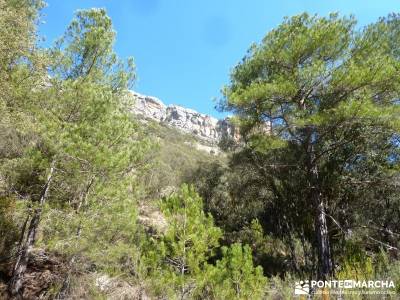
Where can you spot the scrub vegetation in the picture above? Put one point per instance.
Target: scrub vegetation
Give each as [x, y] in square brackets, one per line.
[97, 204]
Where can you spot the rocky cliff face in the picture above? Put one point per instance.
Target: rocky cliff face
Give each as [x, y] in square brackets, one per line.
[187, 120]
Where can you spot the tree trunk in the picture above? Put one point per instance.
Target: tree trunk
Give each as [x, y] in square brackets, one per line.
[27, 241]
[324, 250]
[325, 267]
[321, 228]
[84, 194]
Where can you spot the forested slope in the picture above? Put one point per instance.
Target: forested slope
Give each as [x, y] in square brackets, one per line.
[97, 203]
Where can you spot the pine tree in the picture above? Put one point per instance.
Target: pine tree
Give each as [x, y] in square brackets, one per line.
[82, 118]
[234, 275]
[183, 260]
[314, 100]
[190, 240]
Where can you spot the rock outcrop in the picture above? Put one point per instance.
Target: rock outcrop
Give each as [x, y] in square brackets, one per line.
[187, 120]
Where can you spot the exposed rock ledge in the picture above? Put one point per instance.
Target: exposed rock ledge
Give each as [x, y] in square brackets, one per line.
[187, 120]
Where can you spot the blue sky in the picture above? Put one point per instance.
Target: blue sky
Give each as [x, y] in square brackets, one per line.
[185, 49]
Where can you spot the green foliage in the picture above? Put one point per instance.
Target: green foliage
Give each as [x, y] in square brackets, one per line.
[8, 227]
[190, 240]
[279, 288]
[314, 71]
[172, 148]
[357, 265]
[361, 265]
[234, 276]
[21, 65]
[96, 145]
[181, 258]
[82, 125]
[77, 122]
[18, 55]
[86, 116]
[317, 104]
[101, 238]
[229, 194]
[85, 50]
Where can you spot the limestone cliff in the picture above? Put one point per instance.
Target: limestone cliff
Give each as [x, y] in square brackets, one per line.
[185, 119]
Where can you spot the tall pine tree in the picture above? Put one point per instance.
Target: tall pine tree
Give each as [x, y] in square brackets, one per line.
[87, 136]
[320, 98]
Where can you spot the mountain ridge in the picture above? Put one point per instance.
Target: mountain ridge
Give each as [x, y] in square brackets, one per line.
[203, 126]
